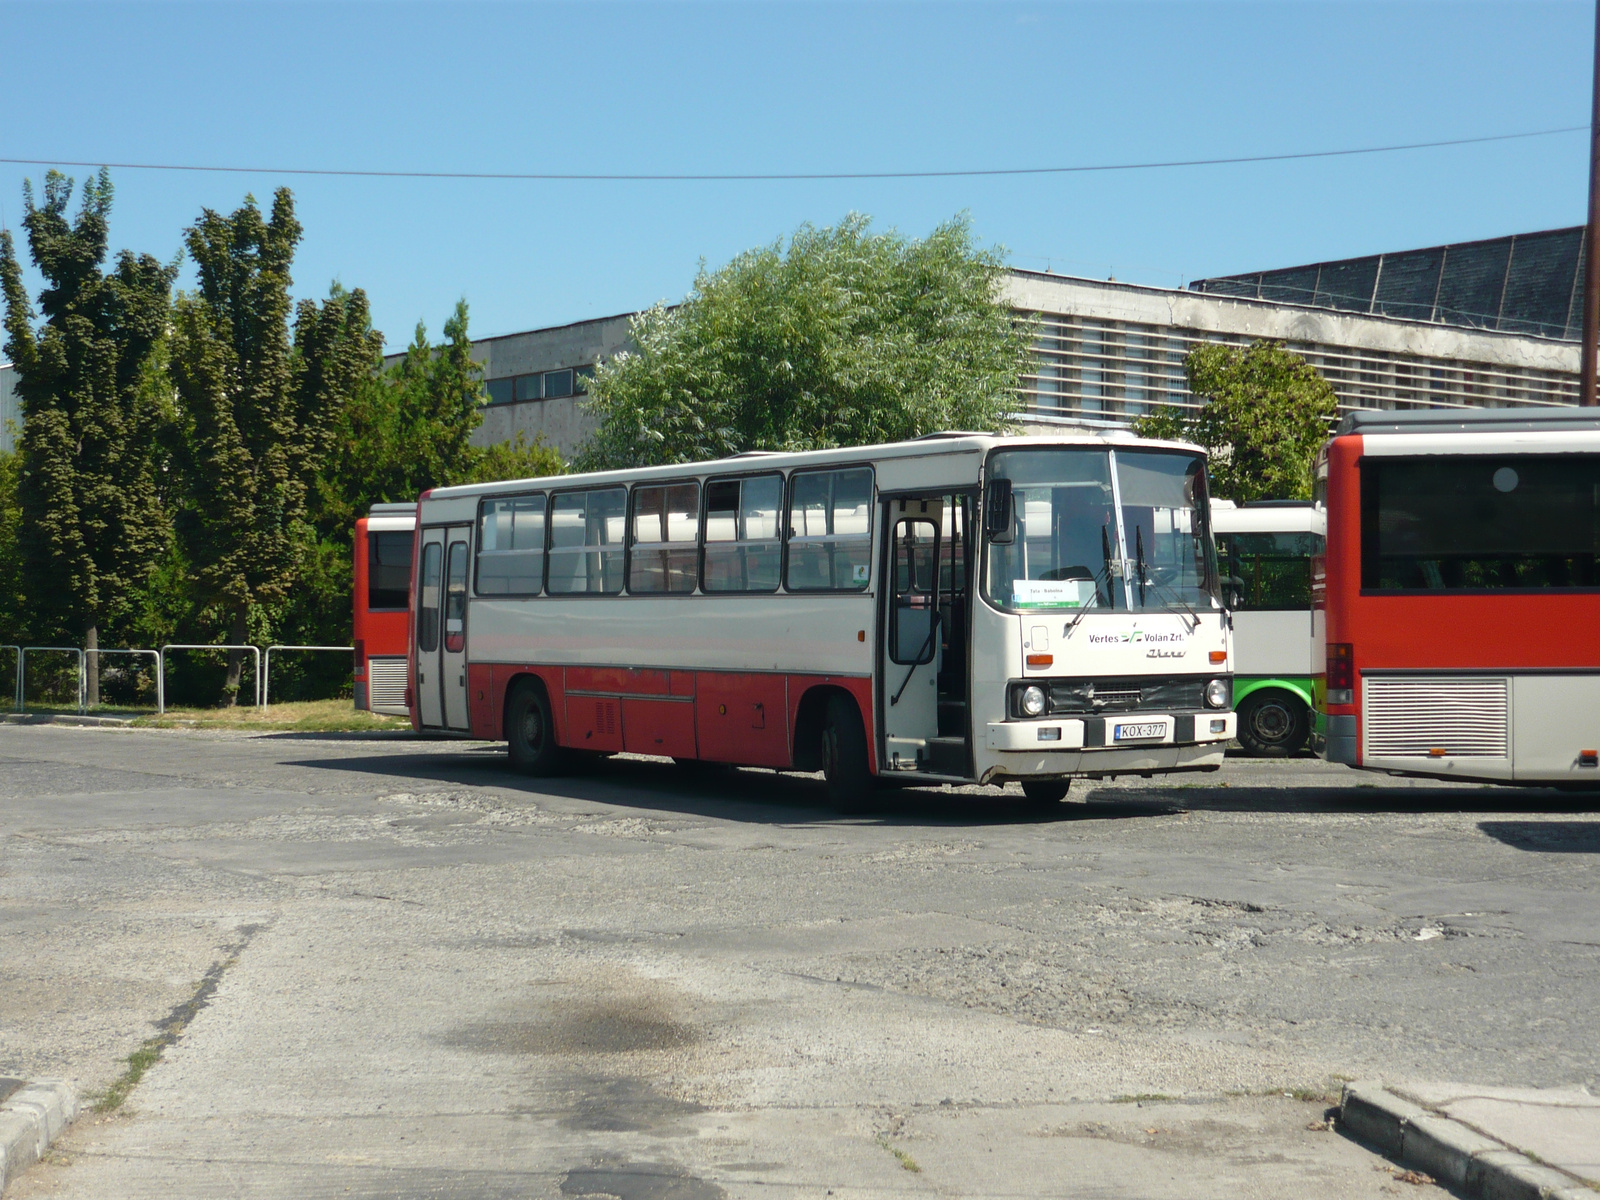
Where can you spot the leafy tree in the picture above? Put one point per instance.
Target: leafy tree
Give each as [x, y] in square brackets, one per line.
[517, 459]
[408, 428]
[10, 550]
[1264, 413]
[91, 518]
[844, 337]
[247, 448]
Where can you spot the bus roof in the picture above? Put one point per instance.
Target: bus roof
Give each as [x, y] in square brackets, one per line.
[1477, 420]
[934, 445]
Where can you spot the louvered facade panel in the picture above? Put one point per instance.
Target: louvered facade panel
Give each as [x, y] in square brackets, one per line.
[387, 681]
[1415, 716]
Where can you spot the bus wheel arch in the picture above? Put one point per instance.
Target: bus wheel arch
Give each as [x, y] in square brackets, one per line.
[831, 736]
[530, 727]
[1274, 722]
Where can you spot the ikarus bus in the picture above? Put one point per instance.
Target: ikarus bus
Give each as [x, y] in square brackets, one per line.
[958, 609]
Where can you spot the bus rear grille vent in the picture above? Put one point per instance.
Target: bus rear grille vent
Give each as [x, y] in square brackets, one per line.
[387, 683]
[1420, 717]
[605, 716]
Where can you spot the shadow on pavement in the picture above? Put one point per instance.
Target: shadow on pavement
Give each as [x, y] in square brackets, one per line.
[752, 795]
[1547, 837]
[767, 797]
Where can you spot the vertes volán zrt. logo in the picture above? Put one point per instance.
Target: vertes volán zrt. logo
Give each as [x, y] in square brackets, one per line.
[1157, 643]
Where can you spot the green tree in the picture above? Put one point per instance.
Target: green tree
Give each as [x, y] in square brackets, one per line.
[11, 600]
[1264, 412]
[91, 519]
[844, 337]
[247, 449]
[409, 428]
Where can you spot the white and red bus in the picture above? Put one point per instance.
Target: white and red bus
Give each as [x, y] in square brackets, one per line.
[381, 606]
[955, 609]
[1458, 612]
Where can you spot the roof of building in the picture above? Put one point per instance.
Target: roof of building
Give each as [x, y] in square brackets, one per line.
[1528, 283]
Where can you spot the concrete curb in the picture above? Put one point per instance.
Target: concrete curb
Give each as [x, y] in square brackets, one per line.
[1458, 1157]
[30, 1119]
[62, 719]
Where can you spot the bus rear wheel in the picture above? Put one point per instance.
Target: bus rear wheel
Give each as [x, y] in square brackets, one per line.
[531, 732]
[844, 756]
[1273, 724]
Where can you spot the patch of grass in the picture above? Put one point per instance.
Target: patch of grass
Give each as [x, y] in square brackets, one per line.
[140, 1061]
[907, 1163]
[150, 1050]
[304, 716]
[1143, 1098]
[1313, 1095]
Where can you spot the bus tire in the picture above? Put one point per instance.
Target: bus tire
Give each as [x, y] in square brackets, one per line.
[531, 731]
[1273, 724]
[844, 755]
[1046, 791]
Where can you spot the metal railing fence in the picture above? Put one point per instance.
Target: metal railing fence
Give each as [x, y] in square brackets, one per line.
[266, 670]
[161, 690]
[18, 650]
[189, 646]
[22, 671]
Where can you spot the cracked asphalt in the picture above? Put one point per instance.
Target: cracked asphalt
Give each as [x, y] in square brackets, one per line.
[432, 977]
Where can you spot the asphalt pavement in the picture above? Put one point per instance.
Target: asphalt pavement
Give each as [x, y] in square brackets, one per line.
[381, 968]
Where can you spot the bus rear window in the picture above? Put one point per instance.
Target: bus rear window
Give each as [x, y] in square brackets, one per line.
[389, 570]
[1458, 523]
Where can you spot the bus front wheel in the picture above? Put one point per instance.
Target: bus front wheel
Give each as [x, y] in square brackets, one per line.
[844, 756]
[1273, 724]
[1046, 791]
[531, 733]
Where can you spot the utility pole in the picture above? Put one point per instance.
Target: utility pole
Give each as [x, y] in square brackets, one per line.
[1591, 241]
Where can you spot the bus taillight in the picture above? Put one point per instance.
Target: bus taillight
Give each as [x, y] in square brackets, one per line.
[1341, 673]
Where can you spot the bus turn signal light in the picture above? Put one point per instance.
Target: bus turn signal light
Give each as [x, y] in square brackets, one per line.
[1041, 660]
[1589, 758]
[1219, 656]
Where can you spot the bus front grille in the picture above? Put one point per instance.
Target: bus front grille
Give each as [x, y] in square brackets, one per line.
[387, 684]
[1437, 716]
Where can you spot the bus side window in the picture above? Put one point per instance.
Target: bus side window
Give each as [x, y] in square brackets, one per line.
[830, 531]
[511, 546]
[666, 525]
[455, 599]
[586, 542]
[742, 549]
[1267, 571]
[428, 607]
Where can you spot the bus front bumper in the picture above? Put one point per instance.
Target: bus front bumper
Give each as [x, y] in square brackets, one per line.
[1133, 731]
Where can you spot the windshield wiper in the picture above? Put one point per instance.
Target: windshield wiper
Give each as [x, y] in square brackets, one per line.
[1138, 541]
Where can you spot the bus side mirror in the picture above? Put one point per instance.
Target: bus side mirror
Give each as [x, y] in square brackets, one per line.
[999, 511]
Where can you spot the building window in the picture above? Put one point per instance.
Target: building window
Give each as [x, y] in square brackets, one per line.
[557, 384]
[500, 390]
[528, 387]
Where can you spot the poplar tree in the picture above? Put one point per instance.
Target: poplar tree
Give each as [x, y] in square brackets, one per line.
[91, 522]
[247, 439]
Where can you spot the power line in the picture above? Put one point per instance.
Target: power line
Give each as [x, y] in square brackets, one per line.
[571, 177]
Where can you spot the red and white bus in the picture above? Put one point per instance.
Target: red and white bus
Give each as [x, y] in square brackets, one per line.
[1458, 610]
[954, 609]
[381, 606]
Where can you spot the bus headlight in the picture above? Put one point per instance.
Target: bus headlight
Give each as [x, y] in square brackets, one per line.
[1218, 693]
[1032, 702]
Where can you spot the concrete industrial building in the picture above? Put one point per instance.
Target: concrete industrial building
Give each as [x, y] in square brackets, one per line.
[1481, 324]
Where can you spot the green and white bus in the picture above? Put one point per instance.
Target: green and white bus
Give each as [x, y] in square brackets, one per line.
[1264, 552]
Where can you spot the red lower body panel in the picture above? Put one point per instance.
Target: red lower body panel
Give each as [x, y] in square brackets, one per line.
[747, 719]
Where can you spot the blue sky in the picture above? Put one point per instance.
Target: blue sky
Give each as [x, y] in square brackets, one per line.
[783, 87]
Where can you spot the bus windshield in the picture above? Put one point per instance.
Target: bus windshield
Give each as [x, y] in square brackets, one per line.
[1072, 546]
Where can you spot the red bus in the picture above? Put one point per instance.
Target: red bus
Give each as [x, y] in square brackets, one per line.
[1458, 608]
[961, 608]
[381, 606]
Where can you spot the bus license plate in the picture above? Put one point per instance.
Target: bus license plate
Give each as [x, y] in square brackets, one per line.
[1129, 733]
